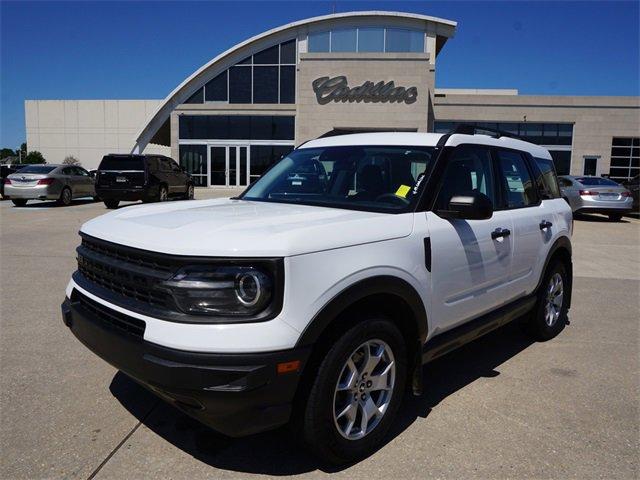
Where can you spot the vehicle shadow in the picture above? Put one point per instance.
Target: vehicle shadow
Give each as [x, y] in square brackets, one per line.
[277, 452]
[54, 204]
[596, 218]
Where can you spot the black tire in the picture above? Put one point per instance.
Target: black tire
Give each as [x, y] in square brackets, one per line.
[111, 204]
[65, 197]
[163, 194]
[190, 193]
[319, 429]
[96, 198]
[19, 202]
[541, 324]
[615, 217]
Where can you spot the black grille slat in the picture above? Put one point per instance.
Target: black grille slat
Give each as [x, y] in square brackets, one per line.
[125, 273]
[110, 318]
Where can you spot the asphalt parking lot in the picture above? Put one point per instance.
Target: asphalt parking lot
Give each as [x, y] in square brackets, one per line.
[500, 407]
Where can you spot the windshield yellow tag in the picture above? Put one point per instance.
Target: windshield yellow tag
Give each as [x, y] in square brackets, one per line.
[403, 190]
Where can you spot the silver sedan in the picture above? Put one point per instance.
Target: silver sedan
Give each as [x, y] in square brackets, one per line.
[49, 182]
[596, 195]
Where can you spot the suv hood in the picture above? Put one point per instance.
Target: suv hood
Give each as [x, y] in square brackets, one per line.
[239, 228]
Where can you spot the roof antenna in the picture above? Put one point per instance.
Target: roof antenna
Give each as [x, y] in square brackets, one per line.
[334, 7]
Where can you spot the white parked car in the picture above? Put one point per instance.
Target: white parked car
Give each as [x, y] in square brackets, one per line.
[317, 295]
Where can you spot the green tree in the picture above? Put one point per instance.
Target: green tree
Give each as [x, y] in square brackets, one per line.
[34, 157]
[71, 160]
[7, 152]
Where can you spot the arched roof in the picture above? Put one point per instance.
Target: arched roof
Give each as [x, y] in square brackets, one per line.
[257, 42]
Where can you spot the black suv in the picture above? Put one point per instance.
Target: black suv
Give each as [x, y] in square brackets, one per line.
[150, 178]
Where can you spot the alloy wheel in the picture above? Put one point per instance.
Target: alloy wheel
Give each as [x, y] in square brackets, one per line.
[555, 294]
[364, 389]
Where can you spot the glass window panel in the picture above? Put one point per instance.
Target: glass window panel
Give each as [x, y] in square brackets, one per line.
[283, 128]
[344, 40]
[194, 160]
[265, 84]
[287, 84]
[197, 97]
[550, 130]
[240, 127]
[216, 89]
[267, 56]
[562, 161]
[635, 162]
[318, 42]
[619, 162]
[470, 168]
[621, 151]
[240, 85]
[371, 39]
[261, 127]
[288, 52]
[520, 191]
[622, 142]
[399, 40]
[618, 172]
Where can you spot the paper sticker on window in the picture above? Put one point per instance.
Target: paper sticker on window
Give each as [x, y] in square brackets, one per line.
[403, 190]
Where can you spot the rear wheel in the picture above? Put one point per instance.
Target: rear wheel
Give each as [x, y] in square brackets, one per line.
[550, 314]
[112, 203]
[615, 217]
[19, 202]
[356, 392]
[65, 197]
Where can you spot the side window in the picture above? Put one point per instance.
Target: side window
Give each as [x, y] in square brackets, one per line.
[174, 166]
[468, 169]
[165, 165]
[68, 171]
[547, 181]
[517, 183]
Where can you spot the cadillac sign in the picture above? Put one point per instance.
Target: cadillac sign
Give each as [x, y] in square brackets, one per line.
[337, 89]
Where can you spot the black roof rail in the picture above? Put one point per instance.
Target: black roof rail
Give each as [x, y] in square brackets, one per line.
[471, 129]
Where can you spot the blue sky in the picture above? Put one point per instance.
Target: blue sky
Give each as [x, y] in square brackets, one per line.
[129, 50]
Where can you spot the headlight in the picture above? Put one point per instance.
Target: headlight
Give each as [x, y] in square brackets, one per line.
[221, 290]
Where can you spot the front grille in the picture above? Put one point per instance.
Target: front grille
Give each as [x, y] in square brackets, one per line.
[109, 318]
[125, 272]
[125, 255]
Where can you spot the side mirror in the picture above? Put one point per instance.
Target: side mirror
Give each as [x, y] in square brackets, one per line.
[468, 206]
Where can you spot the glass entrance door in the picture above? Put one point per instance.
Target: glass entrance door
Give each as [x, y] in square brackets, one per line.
[229, 165]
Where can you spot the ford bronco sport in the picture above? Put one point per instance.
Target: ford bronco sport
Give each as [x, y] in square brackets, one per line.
[317, 295]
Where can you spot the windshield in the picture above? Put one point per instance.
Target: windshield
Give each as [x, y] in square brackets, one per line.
[36, 169]
[361, 178]
[121, 163]
[593, 181]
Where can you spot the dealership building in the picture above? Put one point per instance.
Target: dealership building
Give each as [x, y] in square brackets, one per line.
[341, 73]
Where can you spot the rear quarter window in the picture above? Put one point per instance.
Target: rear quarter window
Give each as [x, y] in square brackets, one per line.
[547, 180]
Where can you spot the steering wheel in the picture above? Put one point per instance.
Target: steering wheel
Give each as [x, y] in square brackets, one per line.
[392, 198]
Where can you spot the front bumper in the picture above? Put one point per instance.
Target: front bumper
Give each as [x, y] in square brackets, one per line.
[37, 192]
[235, 394]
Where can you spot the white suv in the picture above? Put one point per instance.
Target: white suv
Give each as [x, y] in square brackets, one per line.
[317, 295]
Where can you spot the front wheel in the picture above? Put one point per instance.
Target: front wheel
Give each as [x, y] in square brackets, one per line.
[19, 202]
[111, 204]
[356, 392]
[615, 217]
[189, 194]
[549, 316]
[163, 194]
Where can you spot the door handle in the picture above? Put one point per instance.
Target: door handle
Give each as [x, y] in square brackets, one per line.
[500, 233]
[545, 224]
